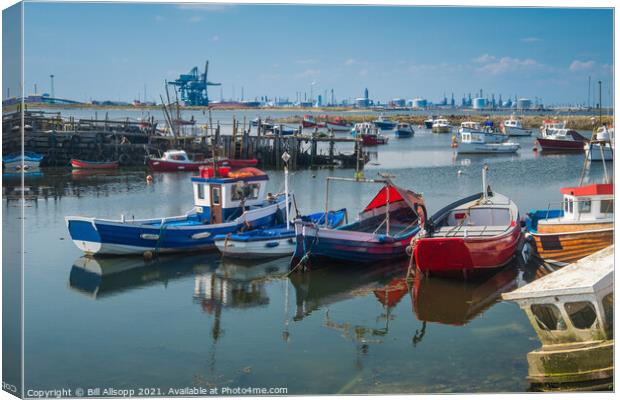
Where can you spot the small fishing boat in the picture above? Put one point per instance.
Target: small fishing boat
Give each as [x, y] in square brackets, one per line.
[562, 140]
[382, 231]
[369, 133]
[18, 162]
[237, 162]
[283, 130]
[472, 236]
[470, 126]
[81, 164]
[441, 125]
[479, 142]
[338, 124]
[384, 124]
[552, 126]
[309, 121]
[274, 242]
[583, 225]
[428, 123]
[175, 160]
[224, 202]
[601, 147]
[404, 130]
[514, 127]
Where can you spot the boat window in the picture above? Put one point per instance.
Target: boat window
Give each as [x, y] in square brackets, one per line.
[201, 191]
[565, 205]
[215, 196]
[242, 191]
[548, 317]
[585, 206]
[581, 313]
[608, 310]
[570, 206]
[607, 206]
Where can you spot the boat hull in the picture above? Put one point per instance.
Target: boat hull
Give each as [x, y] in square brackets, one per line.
[441, 129]
[260, 249]
[515, 131]
[338, 127]
[560, 145]
[177, 234]
[465, 257]
[403, 133]
[487, 148]
[171, 166]
[562, 248]
[594, 153]
[80, 164]
[385, 125]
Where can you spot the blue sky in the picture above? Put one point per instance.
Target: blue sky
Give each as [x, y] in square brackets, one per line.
[110, 51]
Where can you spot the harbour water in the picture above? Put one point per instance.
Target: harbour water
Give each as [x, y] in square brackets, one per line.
[197, 320]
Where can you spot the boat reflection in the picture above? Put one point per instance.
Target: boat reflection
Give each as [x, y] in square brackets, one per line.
[100, 277]
[454, 302]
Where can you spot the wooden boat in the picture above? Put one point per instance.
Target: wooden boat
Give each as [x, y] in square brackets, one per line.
[274, 242]
[222, 204]
[556, 137]
[441, 125]
[309, 122]
[514, 127]
[472, 236]
[404, 130]
[382, 231]
[384, 124]
[572, 312]
[338, 124]
[584, 224]
[81, 164]
[369, 133]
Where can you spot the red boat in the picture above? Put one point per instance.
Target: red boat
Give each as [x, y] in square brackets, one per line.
[372, 139]
[562, 140]
[81, 164]
[175, 160]
[309, 122]
[470, 237]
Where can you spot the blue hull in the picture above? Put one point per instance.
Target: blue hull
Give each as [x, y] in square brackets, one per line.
[403, 134]
[384, 125]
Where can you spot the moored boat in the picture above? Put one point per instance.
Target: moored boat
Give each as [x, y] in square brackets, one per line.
[584, 224]
[404, 130]
[175, 160]
[441, 125]
[224, 202]
[514, 127]
[562, 140]
[382, 231]
[428, 123]
[480, 142]
[369, 133]
[338, 124]
[472, 236]
[384, 124]
[81, 164]
[18, 162]
[601, 147]
[309, 121]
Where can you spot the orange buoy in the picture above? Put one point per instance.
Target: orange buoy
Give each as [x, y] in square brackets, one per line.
[149, 179]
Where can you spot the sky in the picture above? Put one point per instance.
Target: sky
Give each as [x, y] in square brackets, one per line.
[113, 51]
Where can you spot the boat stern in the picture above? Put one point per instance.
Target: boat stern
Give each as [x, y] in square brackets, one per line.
[84, 234]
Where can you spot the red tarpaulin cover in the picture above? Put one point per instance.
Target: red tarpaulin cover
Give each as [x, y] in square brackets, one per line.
[395, 194]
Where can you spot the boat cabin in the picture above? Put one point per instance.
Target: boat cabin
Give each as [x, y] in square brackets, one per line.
[470, 126]
[513, 123]
[441, 122]
[587, 203]
[176, 155]
[226, 196]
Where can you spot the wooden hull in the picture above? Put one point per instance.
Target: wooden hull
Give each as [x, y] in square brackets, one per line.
[79, 164]
[574, 243]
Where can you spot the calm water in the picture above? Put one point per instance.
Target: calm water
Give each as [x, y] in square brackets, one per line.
[200, 321]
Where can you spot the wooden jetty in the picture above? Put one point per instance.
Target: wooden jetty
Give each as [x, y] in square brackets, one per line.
[133, 142]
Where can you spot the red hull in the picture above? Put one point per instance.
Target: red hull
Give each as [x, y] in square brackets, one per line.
[170, 166]
[464, 257]
[79, 164]
[560, 145]
[308, 124]
[251, 162]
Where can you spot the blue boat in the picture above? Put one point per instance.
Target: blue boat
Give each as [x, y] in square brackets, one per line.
[384, 124]
[404, 130]
[278, 241]
[18, 162]
[382, 232]
[223, 204]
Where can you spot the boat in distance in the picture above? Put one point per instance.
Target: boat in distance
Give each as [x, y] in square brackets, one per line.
[177, 160]
[514, 127]
[472, 236]
[441, 125]
[480, 142]
[273, 242]
[382, 231]
[584, 225]
[224, 202]
[18, 162]
[82, 164]
[384, 124]
[404, 130]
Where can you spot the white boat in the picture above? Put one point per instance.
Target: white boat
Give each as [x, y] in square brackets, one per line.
[470, 126]
[404, 130]
[478, 142]
[441, 125]
[26, 162]
[338, 127]
[602, 146]
[514, 127]
[552, 127]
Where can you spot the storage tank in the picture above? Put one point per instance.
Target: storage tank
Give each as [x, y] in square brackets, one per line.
[419, 103]
[479, 102]
[524, 104]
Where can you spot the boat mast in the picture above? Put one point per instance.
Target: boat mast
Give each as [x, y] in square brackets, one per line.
[485, 168]
[287, 157]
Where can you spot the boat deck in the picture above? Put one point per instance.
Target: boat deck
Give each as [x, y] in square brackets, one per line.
[470, 231]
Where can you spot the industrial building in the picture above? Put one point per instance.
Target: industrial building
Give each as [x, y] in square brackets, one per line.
[192, 87]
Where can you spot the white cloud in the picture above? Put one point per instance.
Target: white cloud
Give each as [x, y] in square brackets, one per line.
[308, 73]
[577, 65]
[530, 39]
[483, 59]
[215, 38]
[509, 64]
